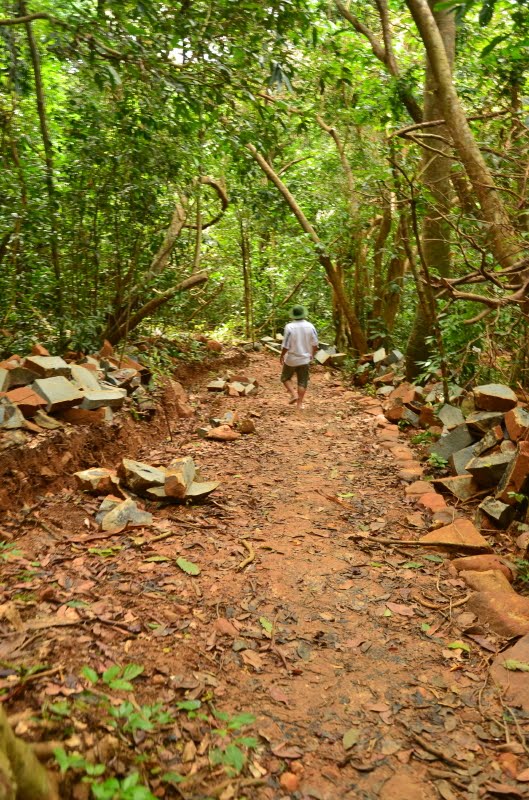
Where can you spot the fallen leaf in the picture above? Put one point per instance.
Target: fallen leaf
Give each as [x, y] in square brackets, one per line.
[279, 696]
[252, 659]
[350, 738]
[399, 608]
[516, 666]
[188, 567]
[503, 790]
[459, 645]
[225, 627]
[284, 750]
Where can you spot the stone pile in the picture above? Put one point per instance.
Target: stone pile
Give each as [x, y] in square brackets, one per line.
[234, 385]
[39, 391]
[383, 368]
[175, 483]
[327, 355]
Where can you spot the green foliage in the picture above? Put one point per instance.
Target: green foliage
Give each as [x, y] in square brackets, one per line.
[115, 677]
[522, 570]
[437, 462]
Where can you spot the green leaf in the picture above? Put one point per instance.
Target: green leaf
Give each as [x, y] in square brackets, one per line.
[90, 674]
[132, 671]
[459, 645]
[172, 777]
[350, 738]
[188, 567]
[111, 673]
[156, 559]
[435, 559]
[188, 705]
[412, 565]
[267, 625]
[516, 666]
[121, 686]
[387, 613]
[425, 627]
[239, 721]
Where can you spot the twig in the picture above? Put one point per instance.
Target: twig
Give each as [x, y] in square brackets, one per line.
[423, 602]
[425, 744]
[251, 556]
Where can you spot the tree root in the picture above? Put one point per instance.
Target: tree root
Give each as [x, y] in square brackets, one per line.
[22, 777]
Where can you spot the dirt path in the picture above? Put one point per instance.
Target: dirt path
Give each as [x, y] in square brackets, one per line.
[315, 636]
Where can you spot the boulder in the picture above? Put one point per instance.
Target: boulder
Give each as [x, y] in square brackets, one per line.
[458, 438]
[139, 477]
[450, 416]
[27, 400]
[514, 684]
[506, 617]
[490, 580]
[461, 486]
[113, 398]
[480, 422]
[47, 366]
[516, 477]
[10, 416]
[97, 480]
[491, 439]
[517, 423]
[500, 513]
[494, 397]
[84, 379]
[488, 470]
[459, 460]
[179, 476]
[482, 563]
[57, 392]
[125, 513]
[460, 535]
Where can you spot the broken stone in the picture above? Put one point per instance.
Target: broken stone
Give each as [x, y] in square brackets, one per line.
[214, 346]
[39, 350]
[57, 392]
[10, 415]
[482, 563]
[516, 477]
[158, 493]
[183, 408]
[4, 379]
[432, 502]
[223, 434]
[514, 684]
[12, 439]
[407, 393]
[450, 416]
[97, 480]
[216, 386]
[462, 534]
[490, 440]
[393, 357]
[47, 366]
[501, 513]
[385, 380]
[124, 513]
[384, 391]
[488, 470]
[246, 426]
[379, 356]
[27, 400]
[418, 488]
[21, 376]
[113, 398]
[202, 432]
[107, 350]
[122, 378]
[442, 518]
[427, 417]
[250, 389]
[517, 423]
[322, 356]
[459, 460]
[179, 476]
[400, 412]
[458, 438]
[235, 388]
[480, 422]
[507, 446]
[46, 422]
[139, 477]
[507, 619]
[84, 378]
[461, 486]
[201, 490]
[490, 580]
[410, 474]
[494, 397]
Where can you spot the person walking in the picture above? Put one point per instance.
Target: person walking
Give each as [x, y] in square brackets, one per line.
[300, 345]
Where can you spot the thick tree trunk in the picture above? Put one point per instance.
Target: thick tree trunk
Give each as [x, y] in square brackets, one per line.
[394, 280]
[22, 777]
[358, 338]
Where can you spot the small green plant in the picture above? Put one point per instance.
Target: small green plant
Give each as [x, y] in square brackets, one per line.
[110, 789]
[424, 437]
[144, 718]
[9, 550]
[402, 424]
[517, 497]
[437, 462]
[115, 677]
[232, 753]
[522, 569]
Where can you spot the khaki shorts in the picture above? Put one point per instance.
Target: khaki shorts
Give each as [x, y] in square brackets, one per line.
[302, 374]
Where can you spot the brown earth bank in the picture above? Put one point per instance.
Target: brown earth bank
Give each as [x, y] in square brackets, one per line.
[347, 655]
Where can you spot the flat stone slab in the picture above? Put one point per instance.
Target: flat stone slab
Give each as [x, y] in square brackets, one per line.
[123, 514]
[513, 683]
[492, 438]
[461, 535]
[459, 460]
[21, 376]
[500, 513]
[113, 398]
[223, 433]
[139, 477]
[379, 356]
[4, 379]
[216, 386]
[481, 421]
[482, 563]
[201, 490]
[27, 400]
[47, 366]
[461, 486]
[418, 488]
[57, 392]
[84, 378]
[489, 580]
[10, 415]
[431, 502]
[46, 422]
[506, 614]
[488, 470]
[450, 416]
[458, 438]
[494, 397]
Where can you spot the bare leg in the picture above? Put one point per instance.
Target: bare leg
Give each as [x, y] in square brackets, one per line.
[289, 386]
[301, 395]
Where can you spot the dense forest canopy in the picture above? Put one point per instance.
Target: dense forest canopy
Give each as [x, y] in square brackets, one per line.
[171, 165]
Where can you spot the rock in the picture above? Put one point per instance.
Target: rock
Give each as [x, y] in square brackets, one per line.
[427, 417]
[393, 357]
[199, 491]
[407, 393]
[27, 400]
[461, 486]
[84, 378]
[158, 493]
[461, 535]
[402, 453]
[431, 502]
[517, 423]
[488, 470]
[113, 398]
[139, 477]
[410, 474]
[507, 446]
[516, 477]
[202, 432]
[501, 513]
[459, 460]
[57, 392]
[379, 356]
[12, 439]
[514, 684]
[10, 416]
[482, 563]
[489, 580]
[235, 388]
[125, 513]
[39, 350]
[418, 488]
[179, 476]
[183, 409]
[494, 397]
[47, 366]
[507, 619]
[289, 782]
[322, 357]
[123, 378]
[46, 422]
[458, 438]
[246, 426]
[399, 412]
[491, 439]
[249, 389]
[97, 480]
[4, 379]
[442, 518]
[213, 346]
[223, 434]
[480, 422]
[216, 386]
[21, 376]
[450, 416]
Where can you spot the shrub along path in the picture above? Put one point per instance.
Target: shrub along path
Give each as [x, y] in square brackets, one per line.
[298, 663]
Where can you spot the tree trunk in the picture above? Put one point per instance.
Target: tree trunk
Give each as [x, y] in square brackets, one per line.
[394, 280]
[245, 259]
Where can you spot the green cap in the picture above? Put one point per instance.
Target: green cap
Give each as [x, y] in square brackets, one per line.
[298, 312]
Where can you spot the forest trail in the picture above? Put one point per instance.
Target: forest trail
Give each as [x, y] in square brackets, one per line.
[316, 636]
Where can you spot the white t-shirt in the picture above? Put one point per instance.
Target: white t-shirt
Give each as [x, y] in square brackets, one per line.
[299, 339]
